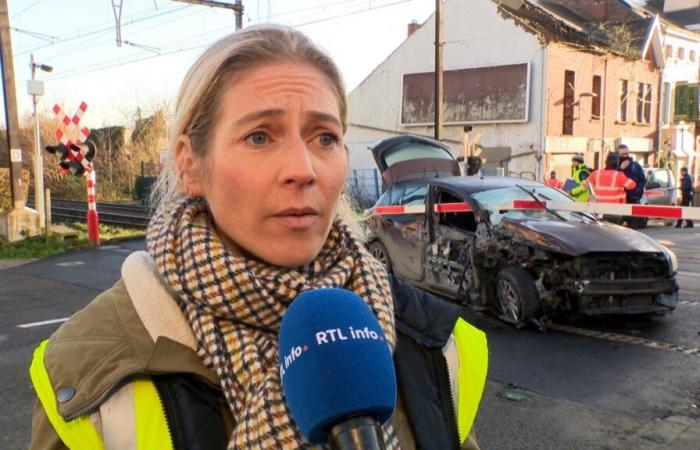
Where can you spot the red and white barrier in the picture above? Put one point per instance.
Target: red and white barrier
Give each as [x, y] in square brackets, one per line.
[93, 222]
[613, 209]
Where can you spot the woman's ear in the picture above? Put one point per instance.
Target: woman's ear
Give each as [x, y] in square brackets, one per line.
[188, 167]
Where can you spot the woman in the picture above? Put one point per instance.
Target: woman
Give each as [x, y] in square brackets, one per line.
[182, 351]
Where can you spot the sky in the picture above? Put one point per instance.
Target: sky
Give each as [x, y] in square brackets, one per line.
[162, 38]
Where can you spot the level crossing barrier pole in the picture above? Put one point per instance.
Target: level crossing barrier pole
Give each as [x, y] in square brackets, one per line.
[93, 222]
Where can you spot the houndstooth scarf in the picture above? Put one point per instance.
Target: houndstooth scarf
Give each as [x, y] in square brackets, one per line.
[234, 306]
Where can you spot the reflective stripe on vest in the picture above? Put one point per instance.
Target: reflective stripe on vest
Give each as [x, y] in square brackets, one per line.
[473, 354]
[78, 434]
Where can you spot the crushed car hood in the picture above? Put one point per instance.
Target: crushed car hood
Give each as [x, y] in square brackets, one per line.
[576, 238]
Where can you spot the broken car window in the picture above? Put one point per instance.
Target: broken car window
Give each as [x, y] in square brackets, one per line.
[493, 199]
[415, 195]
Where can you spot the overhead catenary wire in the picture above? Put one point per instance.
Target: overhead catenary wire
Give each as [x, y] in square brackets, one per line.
[82, 46]
[26, 9]
[90, 31]
[113, 64]
[84, 34]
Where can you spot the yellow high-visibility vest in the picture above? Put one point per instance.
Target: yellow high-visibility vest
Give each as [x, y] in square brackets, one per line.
[79, 434]
[473, 357]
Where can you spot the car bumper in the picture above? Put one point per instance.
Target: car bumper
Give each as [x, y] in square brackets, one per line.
[633, 296]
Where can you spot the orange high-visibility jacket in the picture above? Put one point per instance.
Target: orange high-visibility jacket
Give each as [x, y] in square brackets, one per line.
[610, 185]
[553, 182]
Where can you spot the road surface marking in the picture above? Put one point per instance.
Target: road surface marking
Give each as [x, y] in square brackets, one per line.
[626, 339]
[70, 263]
[43, 322]
[687, 274]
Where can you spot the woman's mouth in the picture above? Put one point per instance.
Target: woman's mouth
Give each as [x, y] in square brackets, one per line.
[297, 218]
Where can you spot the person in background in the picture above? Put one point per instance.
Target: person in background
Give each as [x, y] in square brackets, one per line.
[686, 189]
[182, 352]
[579, 174]
[610, 185]
[635, 172]
[552, 181]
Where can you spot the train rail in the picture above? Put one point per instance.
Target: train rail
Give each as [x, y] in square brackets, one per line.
[125, 215]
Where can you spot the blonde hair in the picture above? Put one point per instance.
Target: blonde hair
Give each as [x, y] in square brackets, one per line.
[198, 102]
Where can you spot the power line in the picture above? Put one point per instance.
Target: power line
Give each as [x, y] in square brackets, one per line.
[112, 64]
[81, 46]
[25, 9]
[83, 34]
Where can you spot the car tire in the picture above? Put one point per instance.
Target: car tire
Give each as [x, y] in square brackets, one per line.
[516, 295]
[378, 250]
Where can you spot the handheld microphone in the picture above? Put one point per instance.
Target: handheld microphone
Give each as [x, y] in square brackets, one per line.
[337, 371]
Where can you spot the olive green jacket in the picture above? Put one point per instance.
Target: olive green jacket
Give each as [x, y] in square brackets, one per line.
[133, 329]
[92, 357]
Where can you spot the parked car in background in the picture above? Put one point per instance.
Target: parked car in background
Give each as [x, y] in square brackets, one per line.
[661, 188]
[452, 235]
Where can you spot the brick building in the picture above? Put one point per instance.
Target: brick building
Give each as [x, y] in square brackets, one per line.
[537, 82]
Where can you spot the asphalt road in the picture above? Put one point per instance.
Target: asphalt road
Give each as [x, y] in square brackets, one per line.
[615, 384]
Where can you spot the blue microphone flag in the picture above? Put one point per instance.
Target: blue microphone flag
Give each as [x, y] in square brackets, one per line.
[334, 361]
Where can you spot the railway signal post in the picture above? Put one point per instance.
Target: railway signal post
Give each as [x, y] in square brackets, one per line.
[76, 159]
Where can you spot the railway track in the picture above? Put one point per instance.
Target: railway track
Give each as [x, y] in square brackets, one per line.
[134, 216]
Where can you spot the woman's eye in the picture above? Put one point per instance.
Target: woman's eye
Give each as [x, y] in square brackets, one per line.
[257, 138]
[327, 139]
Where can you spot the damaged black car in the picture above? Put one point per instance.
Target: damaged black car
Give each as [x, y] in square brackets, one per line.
[455, 235]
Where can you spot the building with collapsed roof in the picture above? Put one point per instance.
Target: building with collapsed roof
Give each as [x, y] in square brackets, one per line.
[538, 81]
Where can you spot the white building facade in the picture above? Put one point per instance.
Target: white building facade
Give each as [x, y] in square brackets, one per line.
[476, 36]
[680, 78]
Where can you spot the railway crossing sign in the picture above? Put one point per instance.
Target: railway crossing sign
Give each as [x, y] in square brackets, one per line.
[71, 123]
[76, 158]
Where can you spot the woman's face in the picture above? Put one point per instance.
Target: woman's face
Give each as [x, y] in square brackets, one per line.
[276, 163]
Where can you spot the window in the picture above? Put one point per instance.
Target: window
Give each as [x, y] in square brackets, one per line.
[686, 103]
[647, 104]
[640, 102]
[414, 195]
[666, 103]
[595, 100]
[392, 197]
[643, 103]
[395, 196]
[622, 105]
[681, 53]
[414, 150]
[464, 221]
[692, 55]
[662, 177]
[569, 80]
[668, 51]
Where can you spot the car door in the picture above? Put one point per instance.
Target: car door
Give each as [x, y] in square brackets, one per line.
[450, 238]
[660, 188]
[402, 228]
[412, 229]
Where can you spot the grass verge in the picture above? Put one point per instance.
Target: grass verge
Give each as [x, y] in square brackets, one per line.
[41, 247]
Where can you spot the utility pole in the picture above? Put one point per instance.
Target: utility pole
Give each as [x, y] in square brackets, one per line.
[35, 88]
[438, 69]
[19, 221]
[236, 7]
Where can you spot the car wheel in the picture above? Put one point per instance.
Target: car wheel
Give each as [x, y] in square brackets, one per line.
[517, 296]
[378, 250]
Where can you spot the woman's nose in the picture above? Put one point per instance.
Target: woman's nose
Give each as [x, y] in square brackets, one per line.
[297, 167]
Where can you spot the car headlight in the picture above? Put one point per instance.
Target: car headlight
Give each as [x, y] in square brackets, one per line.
[672, 259]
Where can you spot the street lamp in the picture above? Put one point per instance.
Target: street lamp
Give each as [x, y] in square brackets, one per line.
[35, 88]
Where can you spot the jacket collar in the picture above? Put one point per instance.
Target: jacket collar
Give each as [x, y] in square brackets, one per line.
[109, 342]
